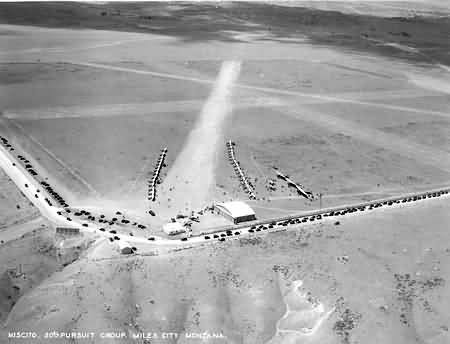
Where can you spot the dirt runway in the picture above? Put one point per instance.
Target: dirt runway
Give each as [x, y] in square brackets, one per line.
[189, 182]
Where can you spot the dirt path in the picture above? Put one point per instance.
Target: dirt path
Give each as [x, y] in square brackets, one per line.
[140, 71]
[190, 180]
[268, 90]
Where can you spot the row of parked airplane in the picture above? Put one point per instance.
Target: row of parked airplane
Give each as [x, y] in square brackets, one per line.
[156, 172]
[248, 187]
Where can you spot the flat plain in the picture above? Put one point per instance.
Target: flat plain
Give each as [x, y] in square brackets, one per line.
[351, 105]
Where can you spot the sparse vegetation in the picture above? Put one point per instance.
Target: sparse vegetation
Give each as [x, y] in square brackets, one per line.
[351, 119]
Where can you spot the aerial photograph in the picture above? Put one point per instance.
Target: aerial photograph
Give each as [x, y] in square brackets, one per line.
[255, 172]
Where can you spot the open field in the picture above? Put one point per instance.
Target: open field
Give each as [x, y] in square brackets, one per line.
[387, 283]
[353, 106]
[14, 207]
[394, 8]
[237, 22]
[301, 131]
[29, 251]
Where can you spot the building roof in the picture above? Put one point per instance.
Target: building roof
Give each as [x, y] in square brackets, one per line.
[172, 227]
[124, 247]
[236, 209]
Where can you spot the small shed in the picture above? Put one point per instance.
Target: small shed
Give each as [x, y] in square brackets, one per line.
[67, 230]
[173, 228]
[124, 247]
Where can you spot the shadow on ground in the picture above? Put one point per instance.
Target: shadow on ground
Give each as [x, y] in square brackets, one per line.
[419, 39]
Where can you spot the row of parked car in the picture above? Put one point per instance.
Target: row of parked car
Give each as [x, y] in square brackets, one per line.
[29, 167]
[67, 211]
[222, 236]
[102, 218]
[312, 218]
[248, 187]
[56, 196]
[155, 178]
[6, 143]
[113, 221]
[361, 208]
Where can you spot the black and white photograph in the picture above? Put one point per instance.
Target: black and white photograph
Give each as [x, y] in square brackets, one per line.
[225, 172]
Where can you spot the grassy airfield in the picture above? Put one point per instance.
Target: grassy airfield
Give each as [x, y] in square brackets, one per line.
[353, 106]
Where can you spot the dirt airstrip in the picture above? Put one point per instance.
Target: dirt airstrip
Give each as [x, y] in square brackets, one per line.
[353, 106]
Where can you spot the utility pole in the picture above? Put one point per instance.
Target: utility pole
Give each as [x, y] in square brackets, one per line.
[320, 199]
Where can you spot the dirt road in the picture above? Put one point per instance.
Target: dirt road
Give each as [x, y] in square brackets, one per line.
[189, 181]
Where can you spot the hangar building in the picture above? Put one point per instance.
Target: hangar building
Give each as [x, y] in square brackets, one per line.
[236, 211]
